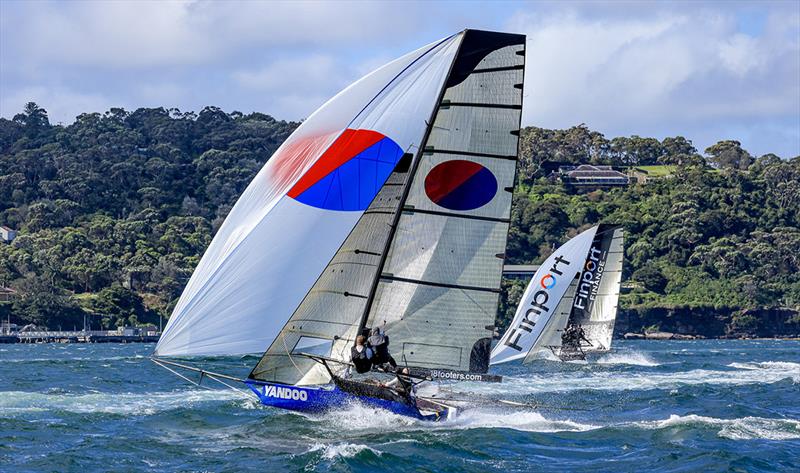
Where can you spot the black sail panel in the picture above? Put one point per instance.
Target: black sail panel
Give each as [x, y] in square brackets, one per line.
[594, 305]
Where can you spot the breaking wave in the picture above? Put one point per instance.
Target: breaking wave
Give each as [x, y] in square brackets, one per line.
[746, 428]
[627, 358]
[342, 450]
[780, 365]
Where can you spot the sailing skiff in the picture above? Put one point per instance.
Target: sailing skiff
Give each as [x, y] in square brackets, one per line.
[577, 286]
[388, 206]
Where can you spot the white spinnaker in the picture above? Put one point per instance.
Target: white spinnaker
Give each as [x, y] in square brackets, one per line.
[541, 299]
[271, 248]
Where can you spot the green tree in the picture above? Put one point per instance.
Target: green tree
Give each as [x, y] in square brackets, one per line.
[729, 154]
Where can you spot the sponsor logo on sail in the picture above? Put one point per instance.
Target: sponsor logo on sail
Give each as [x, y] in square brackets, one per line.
[460, 185]
[538, 304]
[590, 279]
[285, 393]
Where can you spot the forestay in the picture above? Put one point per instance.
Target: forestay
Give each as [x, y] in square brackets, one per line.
[542, 299]
[286, 227]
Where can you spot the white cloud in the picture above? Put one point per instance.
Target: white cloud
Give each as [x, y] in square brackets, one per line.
[140, 34]
[645, 73]
[623, 68]
[62, 104]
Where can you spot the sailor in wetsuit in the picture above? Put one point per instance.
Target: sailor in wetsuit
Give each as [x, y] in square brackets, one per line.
[361, 355]
[379, 342]
[581, 335]
[568, 337]
[572, 337]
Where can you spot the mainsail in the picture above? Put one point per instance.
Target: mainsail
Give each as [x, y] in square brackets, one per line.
[439, 282]
[542, 300]
[594, 306]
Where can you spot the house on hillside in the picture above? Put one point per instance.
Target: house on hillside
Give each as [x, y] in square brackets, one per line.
[591, 176]
[6, 234]
[7, 294]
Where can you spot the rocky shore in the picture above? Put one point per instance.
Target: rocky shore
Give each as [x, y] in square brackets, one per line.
[688, 323]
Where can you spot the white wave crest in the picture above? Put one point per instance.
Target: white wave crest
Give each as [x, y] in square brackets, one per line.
[342, 450]
[745, 428]
[527, 421]
[13, 403]
[627, 358]
[780, 365]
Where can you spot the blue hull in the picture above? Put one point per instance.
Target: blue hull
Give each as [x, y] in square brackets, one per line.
[317, 399]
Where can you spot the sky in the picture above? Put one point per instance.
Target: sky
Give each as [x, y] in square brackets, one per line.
[706, 70]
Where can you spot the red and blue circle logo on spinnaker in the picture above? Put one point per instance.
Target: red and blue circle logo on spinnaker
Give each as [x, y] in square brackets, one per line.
[460, 185]
[350, 173]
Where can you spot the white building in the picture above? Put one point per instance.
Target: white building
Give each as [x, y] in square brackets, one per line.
[7, 235]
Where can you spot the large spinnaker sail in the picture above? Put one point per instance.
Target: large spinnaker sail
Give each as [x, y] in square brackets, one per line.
[594, 306]
[302, 205]
[542, 300]
[439, 281]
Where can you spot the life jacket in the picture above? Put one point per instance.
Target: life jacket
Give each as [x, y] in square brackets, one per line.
[361, 359]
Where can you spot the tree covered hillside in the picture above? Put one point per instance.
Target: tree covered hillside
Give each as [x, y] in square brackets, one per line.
[115, 210]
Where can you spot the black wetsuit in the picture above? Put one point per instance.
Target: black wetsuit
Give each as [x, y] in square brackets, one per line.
[380, 346]
[361, 360]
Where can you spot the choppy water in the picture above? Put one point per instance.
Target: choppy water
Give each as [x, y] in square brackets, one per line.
[647, 406]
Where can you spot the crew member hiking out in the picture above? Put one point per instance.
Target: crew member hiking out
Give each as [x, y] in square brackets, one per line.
[379, 342]
[581, 335]
[361, 355]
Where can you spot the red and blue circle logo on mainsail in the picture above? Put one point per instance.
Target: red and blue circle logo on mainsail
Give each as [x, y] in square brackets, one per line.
[460, 185]
[350, 173]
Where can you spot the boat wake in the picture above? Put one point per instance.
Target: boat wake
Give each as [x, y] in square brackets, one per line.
[357, 420]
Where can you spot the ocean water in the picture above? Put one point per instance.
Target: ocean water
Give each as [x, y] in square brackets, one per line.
[646, 406]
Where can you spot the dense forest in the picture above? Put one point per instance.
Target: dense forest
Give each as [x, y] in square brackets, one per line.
[115, 210]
